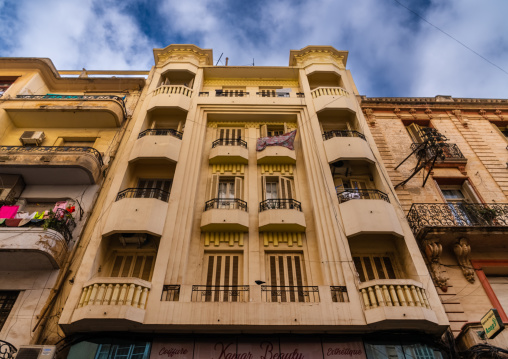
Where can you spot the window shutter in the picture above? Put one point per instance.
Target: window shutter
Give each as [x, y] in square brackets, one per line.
[127, 266]
[264, 130]
[116, 266]
[469, 192]
[287, 185]
[285, 128]
[337, 182]
[138, 264]
[147, 268]
[415, 132]
[389, 268]
[214, 184]
[239, 187]
[359, 268]
[263, 187]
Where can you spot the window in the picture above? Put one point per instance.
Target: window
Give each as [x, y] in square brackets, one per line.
[227, 189]
[5, 83]
[273, 130]
[370, 267]
[277, 187]
[123, 351]
[7, 300]
[76, 141]
[286, 271]
[154, 188]
[222, 270]
[229, 136]
[133, 265]
[456, 196]
[416, 133]
[398, 350]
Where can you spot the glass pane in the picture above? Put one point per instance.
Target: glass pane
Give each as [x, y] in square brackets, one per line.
[500, 287]
[452, 194]
[382, 351]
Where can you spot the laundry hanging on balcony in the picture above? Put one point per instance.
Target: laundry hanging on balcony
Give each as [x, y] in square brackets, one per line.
[286, 140]
[8, 211]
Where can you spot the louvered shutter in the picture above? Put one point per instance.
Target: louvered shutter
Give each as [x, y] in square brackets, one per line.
[213, 187]
[263, 187]
[239, 187]
[115, 272]
[415, 132]
[222, 272]
[286, 277]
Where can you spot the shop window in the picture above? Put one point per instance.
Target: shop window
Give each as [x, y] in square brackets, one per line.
[7, 300]
[133, 265]
[370, 267]
[123, 351]
[399, 350]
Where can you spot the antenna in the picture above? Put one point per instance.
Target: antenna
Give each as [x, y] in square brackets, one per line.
[252, 61]
[219, 59]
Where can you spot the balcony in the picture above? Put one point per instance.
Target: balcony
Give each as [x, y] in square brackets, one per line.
[222, 214]
[400, 301]
[332, 98]
[52, 165]
[157, 144]
[118, 300]
[220, 293]
[368, 212]
[66, 110]
[290, 294]
[171, 96]
[247, 98]
[138, 210]
[281, 215]
[229, 151]
[450, 153]
[347, 145]
[276, 155]
[487, 223]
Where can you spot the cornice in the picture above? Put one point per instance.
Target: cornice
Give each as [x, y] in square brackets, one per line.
[318, 54]
[183, 53]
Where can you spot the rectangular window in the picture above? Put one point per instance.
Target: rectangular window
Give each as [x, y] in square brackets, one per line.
[123, 351]
[154, 188]
[400, 350]
[226, 189]
[7, 300]
[278, 187]
[133, 265]
[5, 83]
[228, 134]
[222, 272]
[370, 267]
[286, 275]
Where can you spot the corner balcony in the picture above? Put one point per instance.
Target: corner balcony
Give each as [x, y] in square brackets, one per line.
[171, 96]
[368, 211]
[110, 302]
[451, 154]
[483, 223]
[229, 151]
[347, 145]
[52, 165]
[157, 144]
[332, 98]
[66, 110]
[400, 303]
[281, 215]
[222, 214]
[138, 210]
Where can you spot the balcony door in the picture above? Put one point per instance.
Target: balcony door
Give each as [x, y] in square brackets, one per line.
[229, 136]
[277, 187]
[370, 267]
[222, 273]
[457, 197]
[286, 277]
[154, 188]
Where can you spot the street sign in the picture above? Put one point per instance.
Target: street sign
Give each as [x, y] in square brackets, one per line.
[492, 323]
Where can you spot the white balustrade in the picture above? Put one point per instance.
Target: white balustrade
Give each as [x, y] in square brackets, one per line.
[110, 293]
[329, 91]
[393, 293]
[173, 89]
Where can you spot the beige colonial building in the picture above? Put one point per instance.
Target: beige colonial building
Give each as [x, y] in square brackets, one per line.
[460, 216]
[58, 136]
[247, 214]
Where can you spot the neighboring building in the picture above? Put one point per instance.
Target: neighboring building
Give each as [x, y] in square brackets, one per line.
[58, 135]
[460, 216]
[212, 243]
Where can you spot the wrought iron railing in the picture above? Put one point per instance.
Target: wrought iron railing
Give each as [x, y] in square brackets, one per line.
[352, 193]
[339, 294]
[143, 193]
[7, 350]
[171, 293]
[232, 93]
[451, 151]
[225, 142]
[161, 132]
[204, 94]
[220, 293]
[425, 216]
[52, 149]
[273, 94]
[342, 133]
[61, 221]
[300, 95]
[290, 293]
[280, 204]
[226, 203]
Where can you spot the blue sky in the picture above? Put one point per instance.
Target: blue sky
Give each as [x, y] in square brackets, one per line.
[392, 52]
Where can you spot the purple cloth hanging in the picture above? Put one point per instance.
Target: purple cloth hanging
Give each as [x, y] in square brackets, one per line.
[286, 140]
[8, 211]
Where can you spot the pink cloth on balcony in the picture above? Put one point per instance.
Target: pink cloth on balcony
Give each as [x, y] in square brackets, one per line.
[8, 211]
[286, 140]
[61, 205]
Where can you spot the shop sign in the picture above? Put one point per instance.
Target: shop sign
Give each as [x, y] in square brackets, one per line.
[492, 323]
[256, 348]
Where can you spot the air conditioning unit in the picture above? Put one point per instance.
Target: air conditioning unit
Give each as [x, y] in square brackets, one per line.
[133, 238]
[36, 352]
[32, 138]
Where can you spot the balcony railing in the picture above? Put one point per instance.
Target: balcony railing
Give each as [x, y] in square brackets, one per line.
[161, 132]
[226, 203]
[280, 204]
[7, 350]
[220, 293]
[170, 293]
[51, 149]
[124, 292]
[393, 293]
[62, 222]
[284, 294]
[173, 90]
[351, 193]
[329, 91]
[225, 142]
[339, 294]
[425, 216]
[232, 93]
[451, 151]
[118, 99]
[342, 133]
[144, 193]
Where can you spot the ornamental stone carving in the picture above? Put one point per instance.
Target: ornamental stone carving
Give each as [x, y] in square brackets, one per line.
[433, 252]
[462, 251]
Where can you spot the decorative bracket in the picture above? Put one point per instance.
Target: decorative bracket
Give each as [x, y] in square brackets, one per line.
[433, 250]
[462, 251]
[369, 113]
